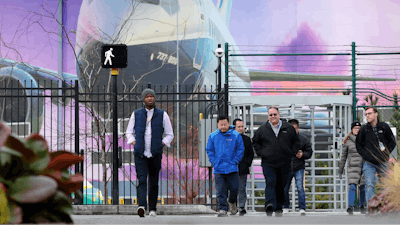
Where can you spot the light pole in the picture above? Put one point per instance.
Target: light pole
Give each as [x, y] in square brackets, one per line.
[219, 52]
[177, 84]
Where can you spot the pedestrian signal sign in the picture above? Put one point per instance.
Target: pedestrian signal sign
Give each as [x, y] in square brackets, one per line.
[114, 56]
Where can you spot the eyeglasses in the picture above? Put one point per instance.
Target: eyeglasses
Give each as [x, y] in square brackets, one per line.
[367, 114]
[273, 114]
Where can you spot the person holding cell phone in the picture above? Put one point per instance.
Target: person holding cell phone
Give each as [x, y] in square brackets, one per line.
[375, 141]
[297, 167]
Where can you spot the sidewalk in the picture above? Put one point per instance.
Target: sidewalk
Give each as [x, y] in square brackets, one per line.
[250, 218]
[183, 209]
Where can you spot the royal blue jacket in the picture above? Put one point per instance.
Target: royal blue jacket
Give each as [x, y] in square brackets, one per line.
[225, 151]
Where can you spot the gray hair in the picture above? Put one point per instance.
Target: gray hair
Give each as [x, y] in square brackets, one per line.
[273, 107]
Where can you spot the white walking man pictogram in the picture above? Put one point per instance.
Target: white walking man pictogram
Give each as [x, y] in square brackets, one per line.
[108, 54]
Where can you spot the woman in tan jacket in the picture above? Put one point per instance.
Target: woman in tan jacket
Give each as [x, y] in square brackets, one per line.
[355, 175]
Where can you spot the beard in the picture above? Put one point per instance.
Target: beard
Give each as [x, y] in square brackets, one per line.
[149, 105]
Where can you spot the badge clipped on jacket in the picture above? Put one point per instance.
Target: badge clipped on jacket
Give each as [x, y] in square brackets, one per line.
[381, 146]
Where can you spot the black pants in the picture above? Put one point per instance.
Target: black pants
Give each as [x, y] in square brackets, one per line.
[275, 181]
[148, 167]
[280, 189]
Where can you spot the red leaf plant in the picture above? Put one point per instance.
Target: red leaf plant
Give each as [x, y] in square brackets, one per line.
[387, 201]
[36, 183]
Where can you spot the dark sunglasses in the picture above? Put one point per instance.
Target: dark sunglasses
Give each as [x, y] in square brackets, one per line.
[273, 114]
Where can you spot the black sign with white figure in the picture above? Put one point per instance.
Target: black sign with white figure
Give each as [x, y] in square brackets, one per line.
[114, 56]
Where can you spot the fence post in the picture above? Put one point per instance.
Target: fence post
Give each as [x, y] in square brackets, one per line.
[76, 88]
[115, 188]
[226, 99]
[76, 120]
[210, 185]
[119, 157]
[353, 77]
[226, 77]
[219, 84]
[81, 171]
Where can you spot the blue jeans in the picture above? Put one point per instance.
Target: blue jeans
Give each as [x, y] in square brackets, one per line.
[369, 172]
[352, 194]
[148, 167]
[242, 191]
[223, 183]
[275, 181]
[299, 177]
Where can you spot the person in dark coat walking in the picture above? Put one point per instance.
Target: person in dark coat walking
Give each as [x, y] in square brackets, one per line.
[355, 175]
[276, 142]
[244, 165]
[297, 166]
[375, 141]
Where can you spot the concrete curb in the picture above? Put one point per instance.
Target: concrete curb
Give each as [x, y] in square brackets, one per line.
[132, 209]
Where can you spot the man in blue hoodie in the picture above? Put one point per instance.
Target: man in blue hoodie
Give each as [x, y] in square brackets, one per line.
[225, 150]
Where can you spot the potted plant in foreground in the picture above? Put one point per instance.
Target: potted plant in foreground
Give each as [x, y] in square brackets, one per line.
[387, 201]
[35, 184]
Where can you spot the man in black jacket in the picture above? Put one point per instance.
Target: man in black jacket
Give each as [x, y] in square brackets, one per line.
[297, 170]
[276, 142]
[374, 142]
[244, 165]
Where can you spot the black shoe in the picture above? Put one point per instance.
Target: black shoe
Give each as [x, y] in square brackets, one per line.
[363, 210]
[242, 212]
[269, 209]
[141, 211]
[278, 213]
[350, 210]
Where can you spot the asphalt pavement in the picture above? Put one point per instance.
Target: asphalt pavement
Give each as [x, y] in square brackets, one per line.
[249, 218]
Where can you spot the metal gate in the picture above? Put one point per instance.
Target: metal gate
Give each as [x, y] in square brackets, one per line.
[85, 118]
[326, 121]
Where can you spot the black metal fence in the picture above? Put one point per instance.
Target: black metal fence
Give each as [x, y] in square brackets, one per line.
[79, 119]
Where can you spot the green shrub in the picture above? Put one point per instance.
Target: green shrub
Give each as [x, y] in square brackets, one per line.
[259, 194]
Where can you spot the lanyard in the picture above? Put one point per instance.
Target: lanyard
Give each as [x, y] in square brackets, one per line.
[381, 146]
[147, 119]
[375, 129]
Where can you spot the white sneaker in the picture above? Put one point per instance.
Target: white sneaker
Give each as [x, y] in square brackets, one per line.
[285, 211]
[302, 212]
[222, 213]
[153, 213]
[233, 208]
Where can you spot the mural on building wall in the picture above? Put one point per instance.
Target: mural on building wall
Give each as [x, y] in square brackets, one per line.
[30, 51]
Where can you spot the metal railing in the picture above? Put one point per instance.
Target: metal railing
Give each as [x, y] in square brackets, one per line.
[87, 124]
[324, 190]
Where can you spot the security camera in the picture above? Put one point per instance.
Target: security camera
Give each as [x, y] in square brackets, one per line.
[219, 52]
